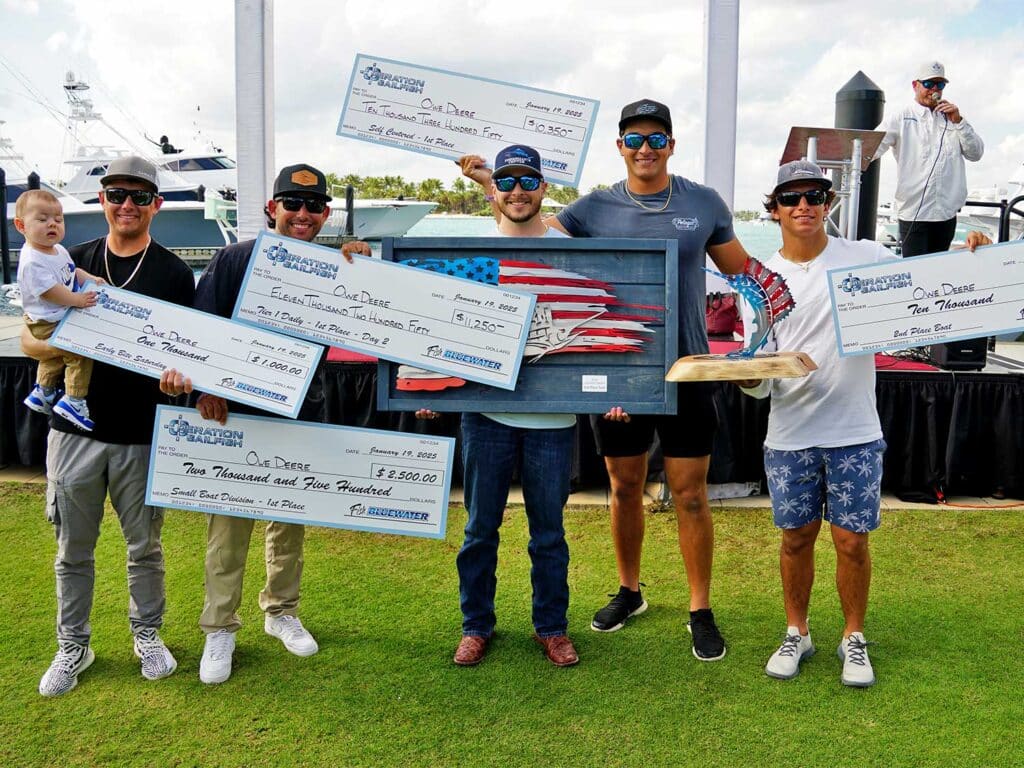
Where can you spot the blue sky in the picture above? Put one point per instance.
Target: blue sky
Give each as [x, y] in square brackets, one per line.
[151, 66]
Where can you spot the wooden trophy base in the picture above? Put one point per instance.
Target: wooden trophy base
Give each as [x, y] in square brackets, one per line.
[774, 365]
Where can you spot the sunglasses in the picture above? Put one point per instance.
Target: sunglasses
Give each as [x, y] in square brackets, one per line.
[528, 183]
[938, 85]
[654, 140]
[293, 204]
[792, 199]
[116, 196]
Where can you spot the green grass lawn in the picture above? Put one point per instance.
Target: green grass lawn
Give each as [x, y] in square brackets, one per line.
[945, 614]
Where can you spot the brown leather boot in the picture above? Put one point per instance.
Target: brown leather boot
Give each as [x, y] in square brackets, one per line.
[559, 650]
[471, 650]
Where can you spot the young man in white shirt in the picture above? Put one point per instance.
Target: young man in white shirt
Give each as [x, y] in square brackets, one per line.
[823, 451]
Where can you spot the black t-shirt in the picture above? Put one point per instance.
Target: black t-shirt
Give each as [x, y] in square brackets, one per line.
[123, 403]
[217, 293]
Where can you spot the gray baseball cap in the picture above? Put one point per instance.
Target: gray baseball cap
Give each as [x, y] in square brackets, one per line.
[801, 170]
[131, 167]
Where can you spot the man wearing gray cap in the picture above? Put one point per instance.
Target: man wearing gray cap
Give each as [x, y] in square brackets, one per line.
[83, 467]
[823, 451]
[930, 140]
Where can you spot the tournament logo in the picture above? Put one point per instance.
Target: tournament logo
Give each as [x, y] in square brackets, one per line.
[377, 76]
[278, 255]
[181, 428]
[103, 299]
[854, 285]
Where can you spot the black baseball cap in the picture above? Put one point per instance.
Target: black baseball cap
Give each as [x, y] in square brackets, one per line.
[301, 178]
[646, 109]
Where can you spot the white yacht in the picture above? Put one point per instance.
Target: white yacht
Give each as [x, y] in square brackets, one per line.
[182, 173]
[986, 218]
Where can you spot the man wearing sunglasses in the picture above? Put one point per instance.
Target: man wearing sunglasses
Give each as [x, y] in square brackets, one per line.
[83, 467]
[930, 140]
[493, 444]
[299, 208]
[651, 202]
[823, 451]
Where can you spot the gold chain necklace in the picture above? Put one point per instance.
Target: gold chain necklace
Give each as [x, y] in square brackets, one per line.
[106, 264]
[625, 186]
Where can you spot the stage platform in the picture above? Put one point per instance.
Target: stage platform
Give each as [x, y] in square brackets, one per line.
[955, 433]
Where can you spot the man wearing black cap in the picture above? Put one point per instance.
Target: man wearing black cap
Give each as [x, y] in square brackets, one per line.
[651, 202]
[299, 209]
[83, 467]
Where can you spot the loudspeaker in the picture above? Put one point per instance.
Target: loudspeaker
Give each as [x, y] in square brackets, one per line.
[965, 355]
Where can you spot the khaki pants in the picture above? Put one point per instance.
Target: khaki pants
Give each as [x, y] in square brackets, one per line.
[67, 368]
[227, 544]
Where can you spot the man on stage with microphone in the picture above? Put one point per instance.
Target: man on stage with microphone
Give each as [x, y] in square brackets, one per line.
[929, 139]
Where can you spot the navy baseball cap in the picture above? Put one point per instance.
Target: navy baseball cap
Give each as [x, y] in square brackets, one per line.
[517, 156]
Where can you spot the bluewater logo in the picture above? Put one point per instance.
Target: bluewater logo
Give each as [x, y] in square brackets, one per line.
[474, 360]
[398, 514]
[181, 428]
[374, 74]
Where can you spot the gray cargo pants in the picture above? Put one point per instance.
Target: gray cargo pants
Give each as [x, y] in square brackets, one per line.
[80, 471]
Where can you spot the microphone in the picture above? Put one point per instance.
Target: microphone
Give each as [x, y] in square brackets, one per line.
[935, 97]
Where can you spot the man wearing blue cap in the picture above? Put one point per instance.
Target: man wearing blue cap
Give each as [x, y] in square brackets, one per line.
[494, 444]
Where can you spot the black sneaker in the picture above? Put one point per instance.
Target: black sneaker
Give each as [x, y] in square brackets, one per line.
[708, 643]
[623, 605]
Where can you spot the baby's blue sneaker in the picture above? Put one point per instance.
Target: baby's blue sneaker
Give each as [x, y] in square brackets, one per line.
[40, 399]
[75, 410]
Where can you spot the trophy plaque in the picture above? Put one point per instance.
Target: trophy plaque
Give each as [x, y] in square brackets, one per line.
[767, 294]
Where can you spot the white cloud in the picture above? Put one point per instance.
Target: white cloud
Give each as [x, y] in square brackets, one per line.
[160, 67]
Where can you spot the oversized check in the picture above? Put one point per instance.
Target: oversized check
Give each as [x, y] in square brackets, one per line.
[446, 114]
[248, 365]
[299, 472]
[408, 315]
[928, 299]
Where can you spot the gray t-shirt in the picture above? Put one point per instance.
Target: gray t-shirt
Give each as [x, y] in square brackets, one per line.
[696, 218]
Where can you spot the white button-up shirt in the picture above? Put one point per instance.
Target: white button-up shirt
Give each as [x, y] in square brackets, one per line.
[929, 152]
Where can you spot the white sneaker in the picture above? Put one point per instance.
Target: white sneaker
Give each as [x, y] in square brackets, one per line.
[857, 670]
[70, 661]
[157, 661]
[215, 666]
[785, 662]
[291, 632]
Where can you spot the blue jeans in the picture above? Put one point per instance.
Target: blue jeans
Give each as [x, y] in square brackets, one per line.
[489, 453]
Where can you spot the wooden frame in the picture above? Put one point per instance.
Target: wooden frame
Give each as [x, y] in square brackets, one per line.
[641, 272]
